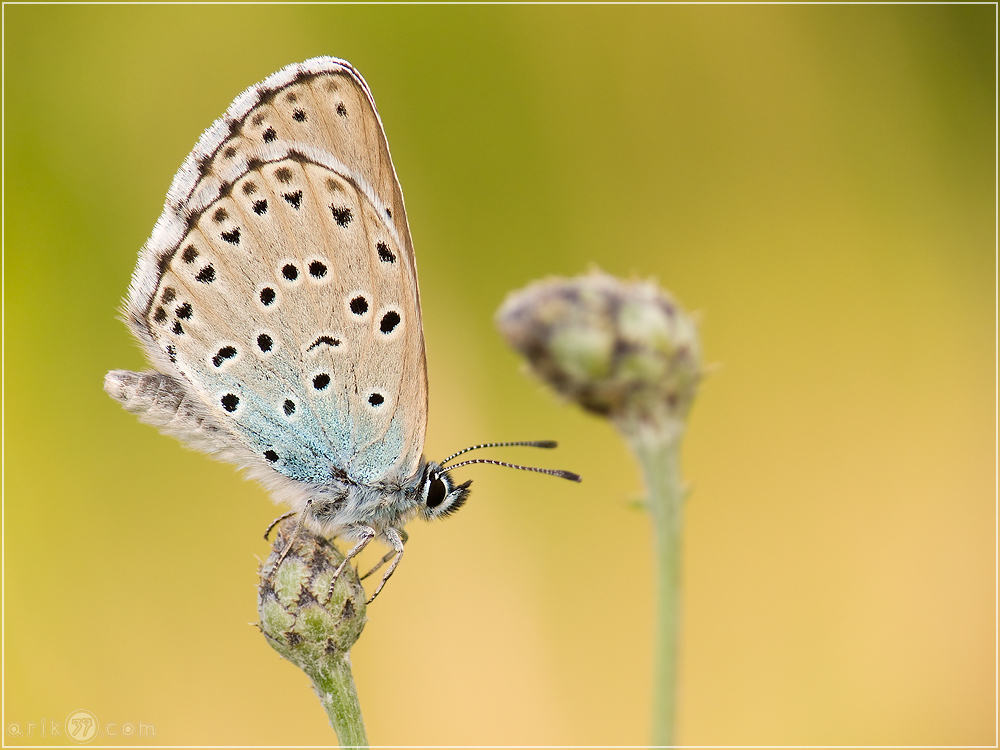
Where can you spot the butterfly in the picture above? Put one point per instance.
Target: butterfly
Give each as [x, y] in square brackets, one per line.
[277, 301]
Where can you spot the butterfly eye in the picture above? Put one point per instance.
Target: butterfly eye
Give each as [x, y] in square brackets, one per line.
[436, 493]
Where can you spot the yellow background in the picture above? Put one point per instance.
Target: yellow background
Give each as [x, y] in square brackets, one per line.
[816, 181]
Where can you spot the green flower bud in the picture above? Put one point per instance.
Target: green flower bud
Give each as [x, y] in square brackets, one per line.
[312, 626]
[624, 350]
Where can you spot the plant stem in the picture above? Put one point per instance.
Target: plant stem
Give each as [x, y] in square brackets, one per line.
[334, 684]
[658, 452]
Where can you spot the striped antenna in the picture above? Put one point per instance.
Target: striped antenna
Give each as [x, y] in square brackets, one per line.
[554, 472]
[528, 443]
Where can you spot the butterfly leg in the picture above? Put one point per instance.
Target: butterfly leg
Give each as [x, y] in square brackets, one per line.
[396, 540]
[291, 542]
[404, 537]
[276, 521]
[367, 533]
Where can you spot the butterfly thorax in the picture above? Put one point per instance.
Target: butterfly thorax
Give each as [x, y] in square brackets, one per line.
[345, 506]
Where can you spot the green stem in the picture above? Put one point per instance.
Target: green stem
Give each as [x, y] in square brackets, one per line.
[658, 451]
[334, 684]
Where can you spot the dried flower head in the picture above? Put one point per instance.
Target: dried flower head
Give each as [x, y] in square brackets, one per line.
[625, 350]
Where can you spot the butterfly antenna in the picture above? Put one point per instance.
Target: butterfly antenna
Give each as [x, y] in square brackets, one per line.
[554, 472]
[527, 443]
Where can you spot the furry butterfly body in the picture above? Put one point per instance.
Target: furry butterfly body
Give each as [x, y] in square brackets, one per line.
[277, 300]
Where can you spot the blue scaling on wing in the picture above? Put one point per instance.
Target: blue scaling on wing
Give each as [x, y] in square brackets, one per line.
[376, 461]
[274, 420]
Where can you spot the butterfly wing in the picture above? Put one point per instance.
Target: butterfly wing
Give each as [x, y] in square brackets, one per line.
[280, 283]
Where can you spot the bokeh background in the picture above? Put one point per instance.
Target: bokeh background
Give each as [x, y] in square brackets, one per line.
[816, 181]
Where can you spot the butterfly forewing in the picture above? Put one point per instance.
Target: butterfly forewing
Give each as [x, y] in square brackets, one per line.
[285, 290]
[322, 103]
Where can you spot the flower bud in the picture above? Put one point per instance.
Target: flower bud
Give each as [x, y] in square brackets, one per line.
[301, 618]
[624, 350]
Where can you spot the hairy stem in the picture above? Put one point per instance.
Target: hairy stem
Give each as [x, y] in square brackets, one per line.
[334, 684]
[658, 453]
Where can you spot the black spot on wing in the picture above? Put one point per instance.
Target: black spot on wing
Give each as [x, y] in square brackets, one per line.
[341, 214]
[226, 352]
[264, 96]
[389, 321]
[163, 261]
[328, 340]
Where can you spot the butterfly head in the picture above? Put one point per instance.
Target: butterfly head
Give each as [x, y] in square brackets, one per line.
[438, 496]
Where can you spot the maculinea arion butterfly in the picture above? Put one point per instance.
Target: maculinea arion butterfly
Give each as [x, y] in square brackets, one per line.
[277, 301]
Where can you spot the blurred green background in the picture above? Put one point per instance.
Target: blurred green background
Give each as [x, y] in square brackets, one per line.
[816, 181]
